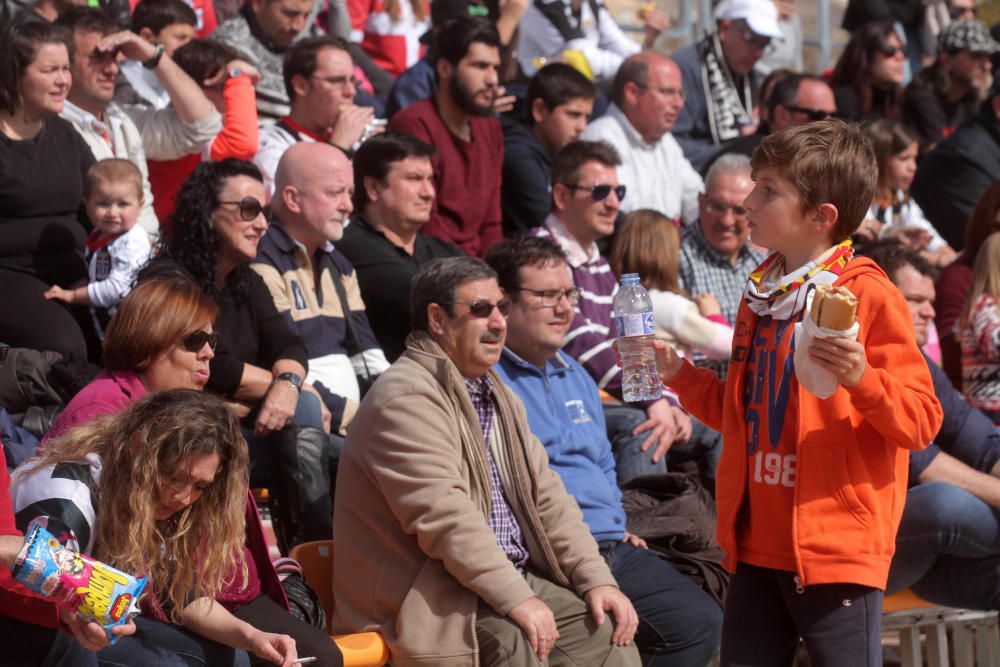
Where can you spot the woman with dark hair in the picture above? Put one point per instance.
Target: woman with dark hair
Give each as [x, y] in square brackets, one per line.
[952, 286]
[42, 166]
[160, 339]
[868, 76]
[260, 363]
[157, 491]
[228, 83]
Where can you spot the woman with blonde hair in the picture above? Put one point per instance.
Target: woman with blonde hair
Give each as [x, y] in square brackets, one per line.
[648, 243]
[157, 490]
[979, 332]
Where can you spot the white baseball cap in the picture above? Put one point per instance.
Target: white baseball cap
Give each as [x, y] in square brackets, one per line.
[761, 16]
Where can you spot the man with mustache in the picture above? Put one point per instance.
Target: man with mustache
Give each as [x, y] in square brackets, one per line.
[448, 516]
[681, 624]
[460, 122]
[648, 97]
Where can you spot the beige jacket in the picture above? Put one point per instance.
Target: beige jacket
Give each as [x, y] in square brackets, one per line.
[413, 551]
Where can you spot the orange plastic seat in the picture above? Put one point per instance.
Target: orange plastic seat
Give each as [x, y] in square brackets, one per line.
[363, 649]
[905, 600]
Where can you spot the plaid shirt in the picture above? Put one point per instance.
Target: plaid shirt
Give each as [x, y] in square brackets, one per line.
[501, 520]
[704, 269]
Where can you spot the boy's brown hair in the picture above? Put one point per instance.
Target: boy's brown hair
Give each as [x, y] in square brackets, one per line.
[113, 170]
[828, 162]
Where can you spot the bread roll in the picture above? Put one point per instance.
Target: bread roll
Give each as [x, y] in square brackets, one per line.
[645, 10]
[834, 308]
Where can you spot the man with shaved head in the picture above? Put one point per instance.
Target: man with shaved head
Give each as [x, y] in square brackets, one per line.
[648, 96]
[314, 285]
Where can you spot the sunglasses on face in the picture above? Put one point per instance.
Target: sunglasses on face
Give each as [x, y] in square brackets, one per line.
[250, 208]
[890, 51]
[551, 297]
[481, 308]
[958, 13]
[812, 114]
[600, 192]
[196, 341]
[753, 39]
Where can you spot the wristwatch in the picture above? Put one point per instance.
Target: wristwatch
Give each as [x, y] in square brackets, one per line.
[292, 378]
[155, 60]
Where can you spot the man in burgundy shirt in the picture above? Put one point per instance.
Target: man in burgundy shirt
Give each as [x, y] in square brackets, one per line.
[459, 121]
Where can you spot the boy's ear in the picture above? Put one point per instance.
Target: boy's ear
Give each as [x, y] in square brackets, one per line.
[147, 35]
[825, 216]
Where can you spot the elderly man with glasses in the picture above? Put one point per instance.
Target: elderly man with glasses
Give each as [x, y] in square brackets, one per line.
[319, 80]
[648, 96]
[448, 515]
[716, 254]
[720, 82]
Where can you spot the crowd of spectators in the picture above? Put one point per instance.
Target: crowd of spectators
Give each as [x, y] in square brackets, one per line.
[362, 255]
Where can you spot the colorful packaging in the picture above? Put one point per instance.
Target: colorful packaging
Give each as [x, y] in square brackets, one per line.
[97, 592]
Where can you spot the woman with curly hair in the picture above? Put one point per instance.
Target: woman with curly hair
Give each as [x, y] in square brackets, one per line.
[867, 81]
[157, 490]
[260, 363]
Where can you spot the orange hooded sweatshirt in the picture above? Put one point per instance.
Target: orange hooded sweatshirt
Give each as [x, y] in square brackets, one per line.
[851, 447]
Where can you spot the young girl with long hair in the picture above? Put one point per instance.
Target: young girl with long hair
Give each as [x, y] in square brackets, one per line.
[979, 332]
[648, 243]
[893, 214]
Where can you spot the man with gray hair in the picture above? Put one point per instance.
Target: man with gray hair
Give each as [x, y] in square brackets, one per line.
[453, 534]
[648, 97]
[716, 254]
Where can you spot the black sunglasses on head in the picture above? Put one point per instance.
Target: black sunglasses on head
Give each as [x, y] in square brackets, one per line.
[481, 308]
[250, 208]
[194, 342]
[812, 114]
[600, 192]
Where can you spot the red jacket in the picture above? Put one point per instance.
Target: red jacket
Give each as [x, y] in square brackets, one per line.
[851, 448]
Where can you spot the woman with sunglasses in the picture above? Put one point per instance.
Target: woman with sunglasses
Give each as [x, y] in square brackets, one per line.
[867, 81]
[260, 363]
[161, 338]
[42, 165]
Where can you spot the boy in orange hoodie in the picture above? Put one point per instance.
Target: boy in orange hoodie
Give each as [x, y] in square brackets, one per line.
[810, 491]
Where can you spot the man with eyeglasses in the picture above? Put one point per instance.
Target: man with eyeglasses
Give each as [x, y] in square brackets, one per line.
[565, 414]
[459, 120]
[648, 96]
[720, 82]
[716, 254]
[130, 132]
[319, 80]
[586, 198]
[448, 513]
[946, 95]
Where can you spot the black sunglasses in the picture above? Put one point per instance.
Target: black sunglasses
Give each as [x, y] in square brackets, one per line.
[481, 308]
[194, 342]
[958, 13]
[890, 51]
[812, 114]
[600, 192]
[250, 208]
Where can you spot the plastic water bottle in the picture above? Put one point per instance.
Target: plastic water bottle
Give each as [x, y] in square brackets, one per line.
[633, 313]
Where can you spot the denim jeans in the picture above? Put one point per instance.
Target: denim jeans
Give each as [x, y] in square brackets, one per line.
[24, 644]
[947, 547]
[704, 447]
[157, 644]
[679, 624]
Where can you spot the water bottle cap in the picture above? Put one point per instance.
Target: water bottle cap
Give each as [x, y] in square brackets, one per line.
[630, 279]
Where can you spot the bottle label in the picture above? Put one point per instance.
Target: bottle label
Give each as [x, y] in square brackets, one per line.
[636, 324]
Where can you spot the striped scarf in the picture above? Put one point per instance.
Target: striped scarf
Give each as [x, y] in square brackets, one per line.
[771, 292]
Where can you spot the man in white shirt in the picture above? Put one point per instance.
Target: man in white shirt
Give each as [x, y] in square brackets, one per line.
[131, 132]
[648, 97]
